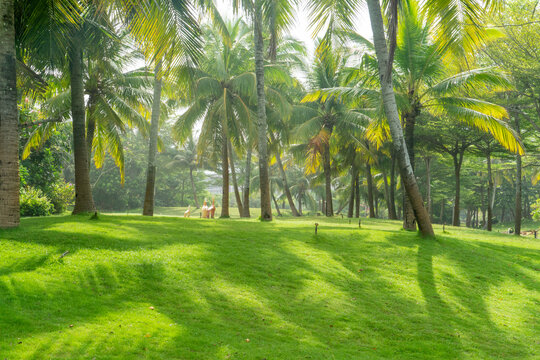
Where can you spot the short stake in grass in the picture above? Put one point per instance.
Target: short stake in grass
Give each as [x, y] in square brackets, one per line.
[316, 225]
[359, 223]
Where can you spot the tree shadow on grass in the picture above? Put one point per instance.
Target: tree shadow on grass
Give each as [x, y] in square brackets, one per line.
[462, 307]
[293, 294]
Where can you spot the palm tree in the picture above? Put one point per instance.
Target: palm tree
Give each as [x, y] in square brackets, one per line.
[222, 97]
[331, 114]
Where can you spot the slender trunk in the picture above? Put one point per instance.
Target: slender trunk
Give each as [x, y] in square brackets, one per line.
[483, 206]
[409, 220]
[386, 193]
[490, 192]
[148, 208]
[357, 195]
[84, 201]
[442, 211]
[286, 185]
[517, 215]
[235, 183]
[193, 189]
[392, 115]
[276, 205]
[247, 180]
[458, 160]
[225, 178]
[266, 206]
[428, 185]
[370, 191]
[342, 206]
[329, 209]
[468, 218]
[392, 200]
[350, 213]
[9, 122]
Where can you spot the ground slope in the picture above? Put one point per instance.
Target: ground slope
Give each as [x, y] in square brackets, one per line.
[173, 288]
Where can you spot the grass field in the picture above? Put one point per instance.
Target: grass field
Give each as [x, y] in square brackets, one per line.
[173, 288]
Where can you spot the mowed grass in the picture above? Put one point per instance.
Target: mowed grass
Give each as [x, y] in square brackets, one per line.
[133, 287]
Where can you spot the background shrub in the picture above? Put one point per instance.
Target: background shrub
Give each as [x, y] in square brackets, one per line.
[35, 203]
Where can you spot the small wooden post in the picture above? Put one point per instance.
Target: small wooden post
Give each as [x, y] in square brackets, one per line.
[535, 234]
[443, 224]
[316, 225]
[360, 223]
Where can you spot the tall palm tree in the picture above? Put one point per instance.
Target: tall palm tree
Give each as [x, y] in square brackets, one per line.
[452, 20]
[222, 97]
[319, 123]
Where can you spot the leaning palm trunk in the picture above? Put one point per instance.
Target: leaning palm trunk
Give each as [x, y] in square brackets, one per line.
[266, 206]
[84, 201]
[235, 183]
[9, 126]
[245, 190]
[392, 115]
[148, 208]
[290, 200]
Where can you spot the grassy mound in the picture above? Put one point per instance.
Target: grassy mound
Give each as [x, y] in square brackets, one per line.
[171, 288]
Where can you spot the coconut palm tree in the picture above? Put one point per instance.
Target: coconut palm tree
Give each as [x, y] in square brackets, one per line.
[454, 20]
[330, 114]
[222, 97]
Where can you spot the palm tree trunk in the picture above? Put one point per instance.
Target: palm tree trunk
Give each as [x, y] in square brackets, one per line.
[370, 191]
[489, 194]
[148, 208]
[350, 213]
[193, 189]
[457, 196]
[84, 201]
[235, 183]
[392, 205]
[392, 115]
[409, 220]
[357, 195]
[329, 209]
[9, 122]
[247, 174]
[225, 176]
[266, 206]
[286, 185]
[386, 192]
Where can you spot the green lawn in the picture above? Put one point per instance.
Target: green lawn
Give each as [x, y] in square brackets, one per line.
[173, 288]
